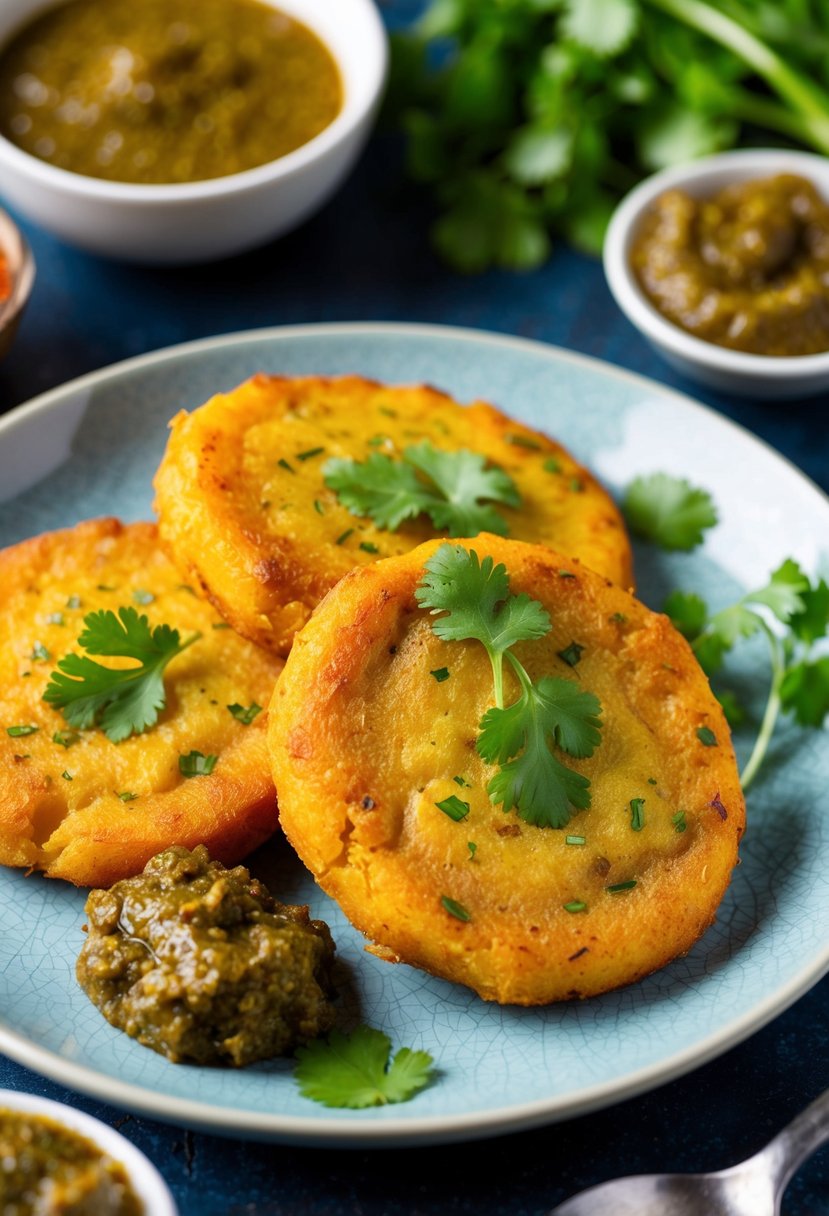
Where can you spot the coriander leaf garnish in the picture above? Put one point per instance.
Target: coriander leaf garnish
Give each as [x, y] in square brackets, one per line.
[195, 764]
[706, 736]
[355, 1071]
[798, 684]
[476, 598]
[121, 701]
[65, 738]
[18, 732]
[440, 674]
[455, 489]
[245, 715]
[127, 796]
[668, 511]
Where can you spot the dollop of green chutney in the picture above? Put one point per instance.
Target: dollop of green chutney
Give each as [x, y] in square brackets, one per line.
[47, 1169]
[165, 91]
[747, 268]
[200, 963]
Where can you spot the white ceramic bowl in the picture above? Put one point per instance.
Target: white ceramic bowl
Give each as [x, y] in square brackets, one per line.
[760, 376]
[146, 1181]
[200, 221]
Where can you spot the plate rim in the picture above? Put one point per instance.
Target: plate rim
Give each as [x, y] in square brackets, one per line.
[406, 1130]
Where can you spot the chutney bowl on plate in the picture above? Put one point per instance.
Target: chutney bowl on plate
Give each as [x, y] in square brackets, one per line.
[219, 216]
[764, 377]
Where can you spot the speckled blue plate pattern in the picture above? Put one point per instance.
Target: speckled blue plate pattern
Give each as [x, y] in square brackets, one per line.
[91, 447]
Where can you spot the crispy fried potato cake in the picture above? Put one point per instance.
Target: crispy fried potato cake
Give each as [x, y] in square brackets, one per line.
[245, 511]
[78, 806]
[374, 723]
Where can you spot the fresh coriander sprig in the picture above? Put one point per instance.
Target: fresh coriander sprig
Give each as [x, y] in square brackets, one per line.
[476, 603]
[799, 683]
[121, 701]
[455, 489]
[356, 1071]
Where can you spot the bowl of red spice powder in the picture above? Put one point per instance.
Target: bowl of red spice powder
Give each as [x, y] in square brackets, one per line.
[17, 272]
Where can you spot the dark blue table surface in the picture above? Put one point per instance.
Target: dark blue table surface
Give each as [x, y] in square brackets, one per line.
[366, 257]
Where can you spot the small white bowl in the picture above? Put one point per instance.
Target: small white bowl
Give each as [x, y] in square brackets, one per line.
[200, 221]
[146, 1181]
[766, 377]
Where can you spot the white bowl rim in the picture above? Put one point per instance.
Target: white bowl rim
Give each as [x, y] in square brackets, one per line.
[744, 162]
[375, 62]
[147, 1181]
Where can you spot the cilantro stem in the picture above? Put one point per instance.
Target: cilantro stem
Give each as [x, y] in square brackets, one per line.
[807, 99]
[770, 714]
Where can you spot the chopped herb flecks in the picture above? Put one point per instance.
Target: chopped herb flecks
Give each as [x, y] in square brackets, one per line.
[523, 441]
[707, 737]
[637, 814]
[140, 596]
[343, 537]
[311, 452]
[473, 848]
[74, 601]
[455, 909]
[245, 716]
[55, 618]
[368, 546]
[283, 464]
[575, 905]
[65, 738]
[575, 840]
[127, 796]
[571, 654]
[194, 764]
[440, 674]
[454, 808]
[617, 887]
[678, 820]
[551, 465]
[39, 653]
[17, 732]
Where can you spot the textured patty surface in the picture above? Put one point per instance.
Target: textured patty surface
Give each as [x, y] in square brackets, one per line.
[70, 810]
[245, 511]
[365, 741]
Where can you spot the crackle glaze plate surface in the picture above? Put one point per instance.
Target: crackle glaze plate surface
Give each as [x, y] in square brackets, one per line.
[90, 448]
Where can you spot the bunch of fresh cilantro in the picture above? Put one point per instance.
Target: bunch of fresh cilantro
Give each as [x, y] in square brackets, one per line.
[528, 118]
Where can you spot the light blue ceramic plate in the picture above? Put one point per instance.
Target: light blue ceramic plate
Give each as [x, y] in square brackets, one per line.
[91, 448]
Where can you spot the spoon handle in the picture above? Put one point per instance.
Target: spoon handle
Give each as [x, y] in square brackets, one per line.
[803, 1136]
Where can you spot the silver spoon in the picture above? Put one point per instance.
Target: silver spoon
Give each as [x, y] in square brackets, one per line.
[752, 1188]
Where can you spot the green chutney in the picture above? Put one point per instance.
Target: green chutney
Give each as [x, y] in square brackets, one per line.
[747, 268]
[165, 91]
[48, 1169]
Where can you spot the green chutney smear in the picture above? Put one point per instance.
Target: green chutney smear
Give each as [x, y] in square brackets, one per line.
[165, 91]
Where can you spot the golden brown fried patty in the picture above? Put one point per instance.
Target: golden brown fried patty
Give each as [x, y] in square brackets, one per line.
[245, 512]
[368, 733]
[93, 811]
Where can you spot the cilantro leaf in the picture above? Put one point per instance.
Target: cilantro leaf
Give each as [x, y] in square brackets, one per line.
[479, 606]
[783, 593]
[457, 494]
[810, 623]
[805, 691]
[688, 612]
[668, 511]
[122, 701]
[355, 1071]
[536, 783]
[387, 491]
[476, 597]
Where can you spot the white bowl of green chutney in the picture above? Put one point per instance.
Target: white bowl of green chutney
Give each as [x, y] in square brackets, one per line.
[179, 205]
